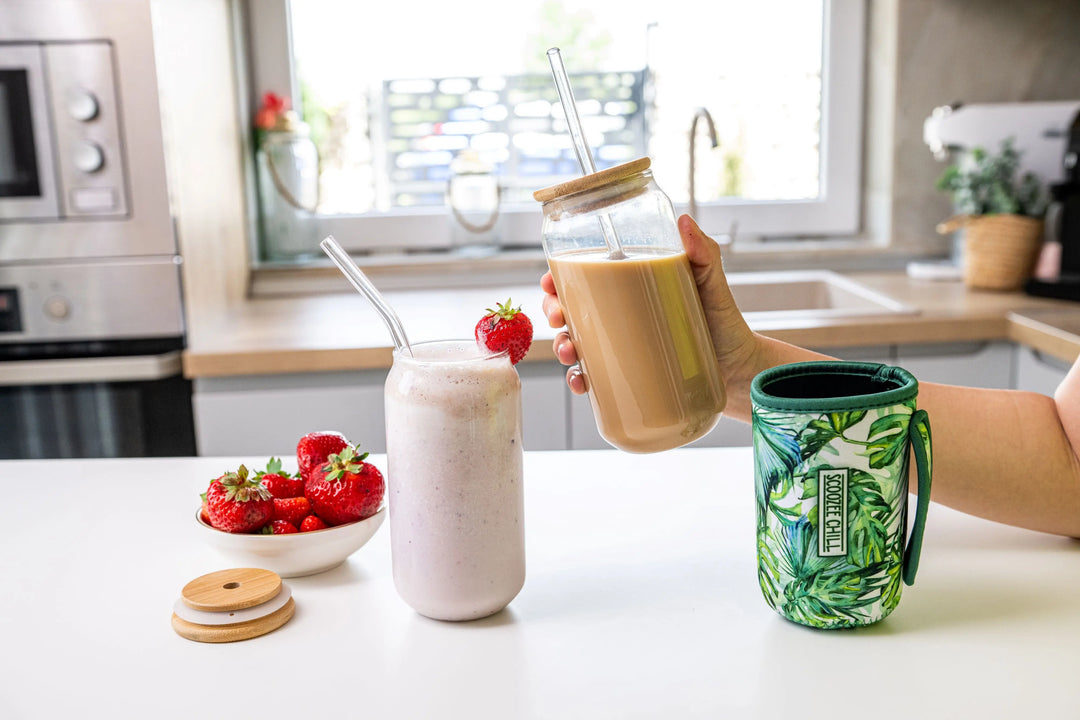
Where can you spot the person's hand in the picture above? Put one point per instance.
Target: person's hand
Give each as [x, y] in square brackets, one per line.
[565, 351]
[734, 342]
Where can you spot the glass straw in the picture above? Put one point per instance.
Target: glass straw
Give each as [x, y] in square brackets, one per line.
[361, 282]
[566, 95]
[581, 145]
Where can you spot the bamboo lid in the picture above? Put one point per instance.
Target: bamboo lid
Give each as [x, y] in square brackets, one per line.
[595, 180]
[231, 605]
[237, 632]
[233, 589]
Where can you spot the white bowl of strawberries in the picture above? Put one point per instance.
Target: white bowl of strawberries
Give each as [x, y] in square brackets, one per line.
[298, 524]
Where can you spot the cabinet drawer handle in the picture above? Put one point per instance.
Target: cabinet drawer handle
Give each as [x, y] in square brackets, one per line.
[135, 368]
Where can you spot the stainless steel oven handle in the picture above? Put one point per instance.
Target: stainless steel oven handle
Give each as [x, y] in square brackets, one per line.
[135, 368]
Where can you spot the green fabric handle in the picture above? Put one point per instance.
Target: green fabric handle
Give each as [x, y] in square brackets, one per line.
[919, 434]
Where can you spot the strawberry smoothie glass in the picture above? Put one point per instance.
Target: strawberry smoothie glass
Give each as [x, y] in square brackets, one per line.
[454, 479]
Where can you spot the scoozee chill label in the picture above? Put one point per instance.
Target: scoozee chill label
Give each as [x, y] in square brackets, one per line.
[832, 512]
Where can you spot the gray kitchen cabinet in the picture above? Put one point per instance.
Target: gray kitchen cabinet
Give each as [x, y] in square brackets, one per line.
[583, 432]
[545, 406]
[972, 364]
[267, 414]
[264, 415]
[1038, 372]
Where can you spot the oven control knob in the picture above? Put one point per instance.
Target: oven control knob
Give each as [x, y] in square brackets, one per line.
[58, 308]
[82, 105]
[88, 156]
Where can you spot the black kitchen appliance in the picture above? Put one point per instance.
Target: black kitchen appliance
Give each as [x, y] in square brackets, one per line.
[1063, 218]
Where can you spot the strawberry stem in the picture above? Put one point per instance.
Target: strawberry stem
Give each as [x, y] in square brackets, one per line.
[344, 462]
[504, 311]
[240, 487]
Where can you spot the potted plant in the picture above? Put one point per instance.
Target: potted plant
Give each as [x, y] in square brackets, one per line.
[1001, 215]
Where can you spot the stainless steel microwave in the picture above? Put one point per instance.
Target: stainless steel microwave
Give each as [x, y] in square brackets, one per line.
[82, 169]
[60, 150]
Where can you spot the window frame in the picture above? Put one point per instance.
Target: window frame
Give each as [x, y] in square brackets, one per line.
[835, 213]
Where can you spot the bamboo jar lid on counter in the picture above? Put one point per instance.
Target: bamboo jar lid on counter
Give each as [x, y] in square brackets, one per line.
[232, 605]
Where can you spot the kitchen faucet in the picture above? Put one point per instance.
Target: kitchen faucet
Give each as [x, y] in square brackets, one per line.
[725, 240]
[711, 129]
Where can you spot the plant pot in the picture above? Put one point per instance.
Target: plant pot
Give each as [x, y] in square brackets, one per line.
[1000, 251]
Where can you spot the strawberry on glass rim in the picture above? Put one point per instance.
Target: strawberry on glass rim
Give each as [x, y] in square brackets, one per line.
[506, 328]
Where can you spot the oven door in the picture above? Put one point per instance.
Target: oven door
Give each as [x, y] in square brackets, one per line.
[95, 406]
[27, 171]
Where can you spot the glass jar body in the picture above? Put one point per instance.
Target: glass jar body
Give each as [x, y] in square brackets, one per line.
[454, 477]
[637, 322]
[287, 164]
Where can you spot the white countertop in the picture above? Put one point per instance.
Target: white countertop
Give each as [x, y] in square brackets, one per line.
[641, 602]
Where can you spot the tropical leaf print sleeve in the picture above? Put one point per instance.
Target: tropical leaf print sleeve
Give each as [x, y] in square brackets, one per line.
[776, 454]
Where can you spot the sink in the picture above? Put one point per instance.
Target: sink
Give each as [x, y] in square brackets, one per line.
[808, 294]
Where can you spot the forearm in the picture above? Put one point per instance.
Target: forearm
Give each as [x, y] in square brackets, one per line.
[1003, 455]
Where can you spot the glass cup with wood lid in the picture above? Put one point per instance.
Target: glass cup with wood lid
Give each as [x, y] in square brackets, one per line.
[632, 308]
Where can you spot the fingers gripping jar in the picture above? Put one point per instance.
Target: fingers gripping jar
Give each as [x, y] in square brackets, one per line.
[636, 321]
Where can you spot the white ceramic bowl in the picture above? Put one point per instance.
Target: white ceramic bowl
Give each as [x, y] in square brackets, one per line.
[295, 554]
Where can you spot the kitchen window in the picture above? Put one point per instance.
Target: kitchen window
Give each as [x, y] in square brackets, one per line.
[406, 101]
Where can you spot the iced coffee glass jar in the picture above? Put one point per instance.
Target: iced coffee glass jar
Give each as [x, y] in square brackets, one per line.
[454, 479]
[636, 319]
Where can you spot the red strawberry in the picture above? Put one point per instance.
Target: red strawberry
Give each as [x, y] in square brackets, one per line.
[238, 504]
[314, 448]
[292, 510]
[281, 484]
[346, 489]
[281, 527]
[506, 328]
[312, 522]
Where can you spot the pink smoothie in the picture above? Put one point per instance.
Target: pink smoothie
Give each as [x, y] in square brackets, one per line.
[454, 479]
